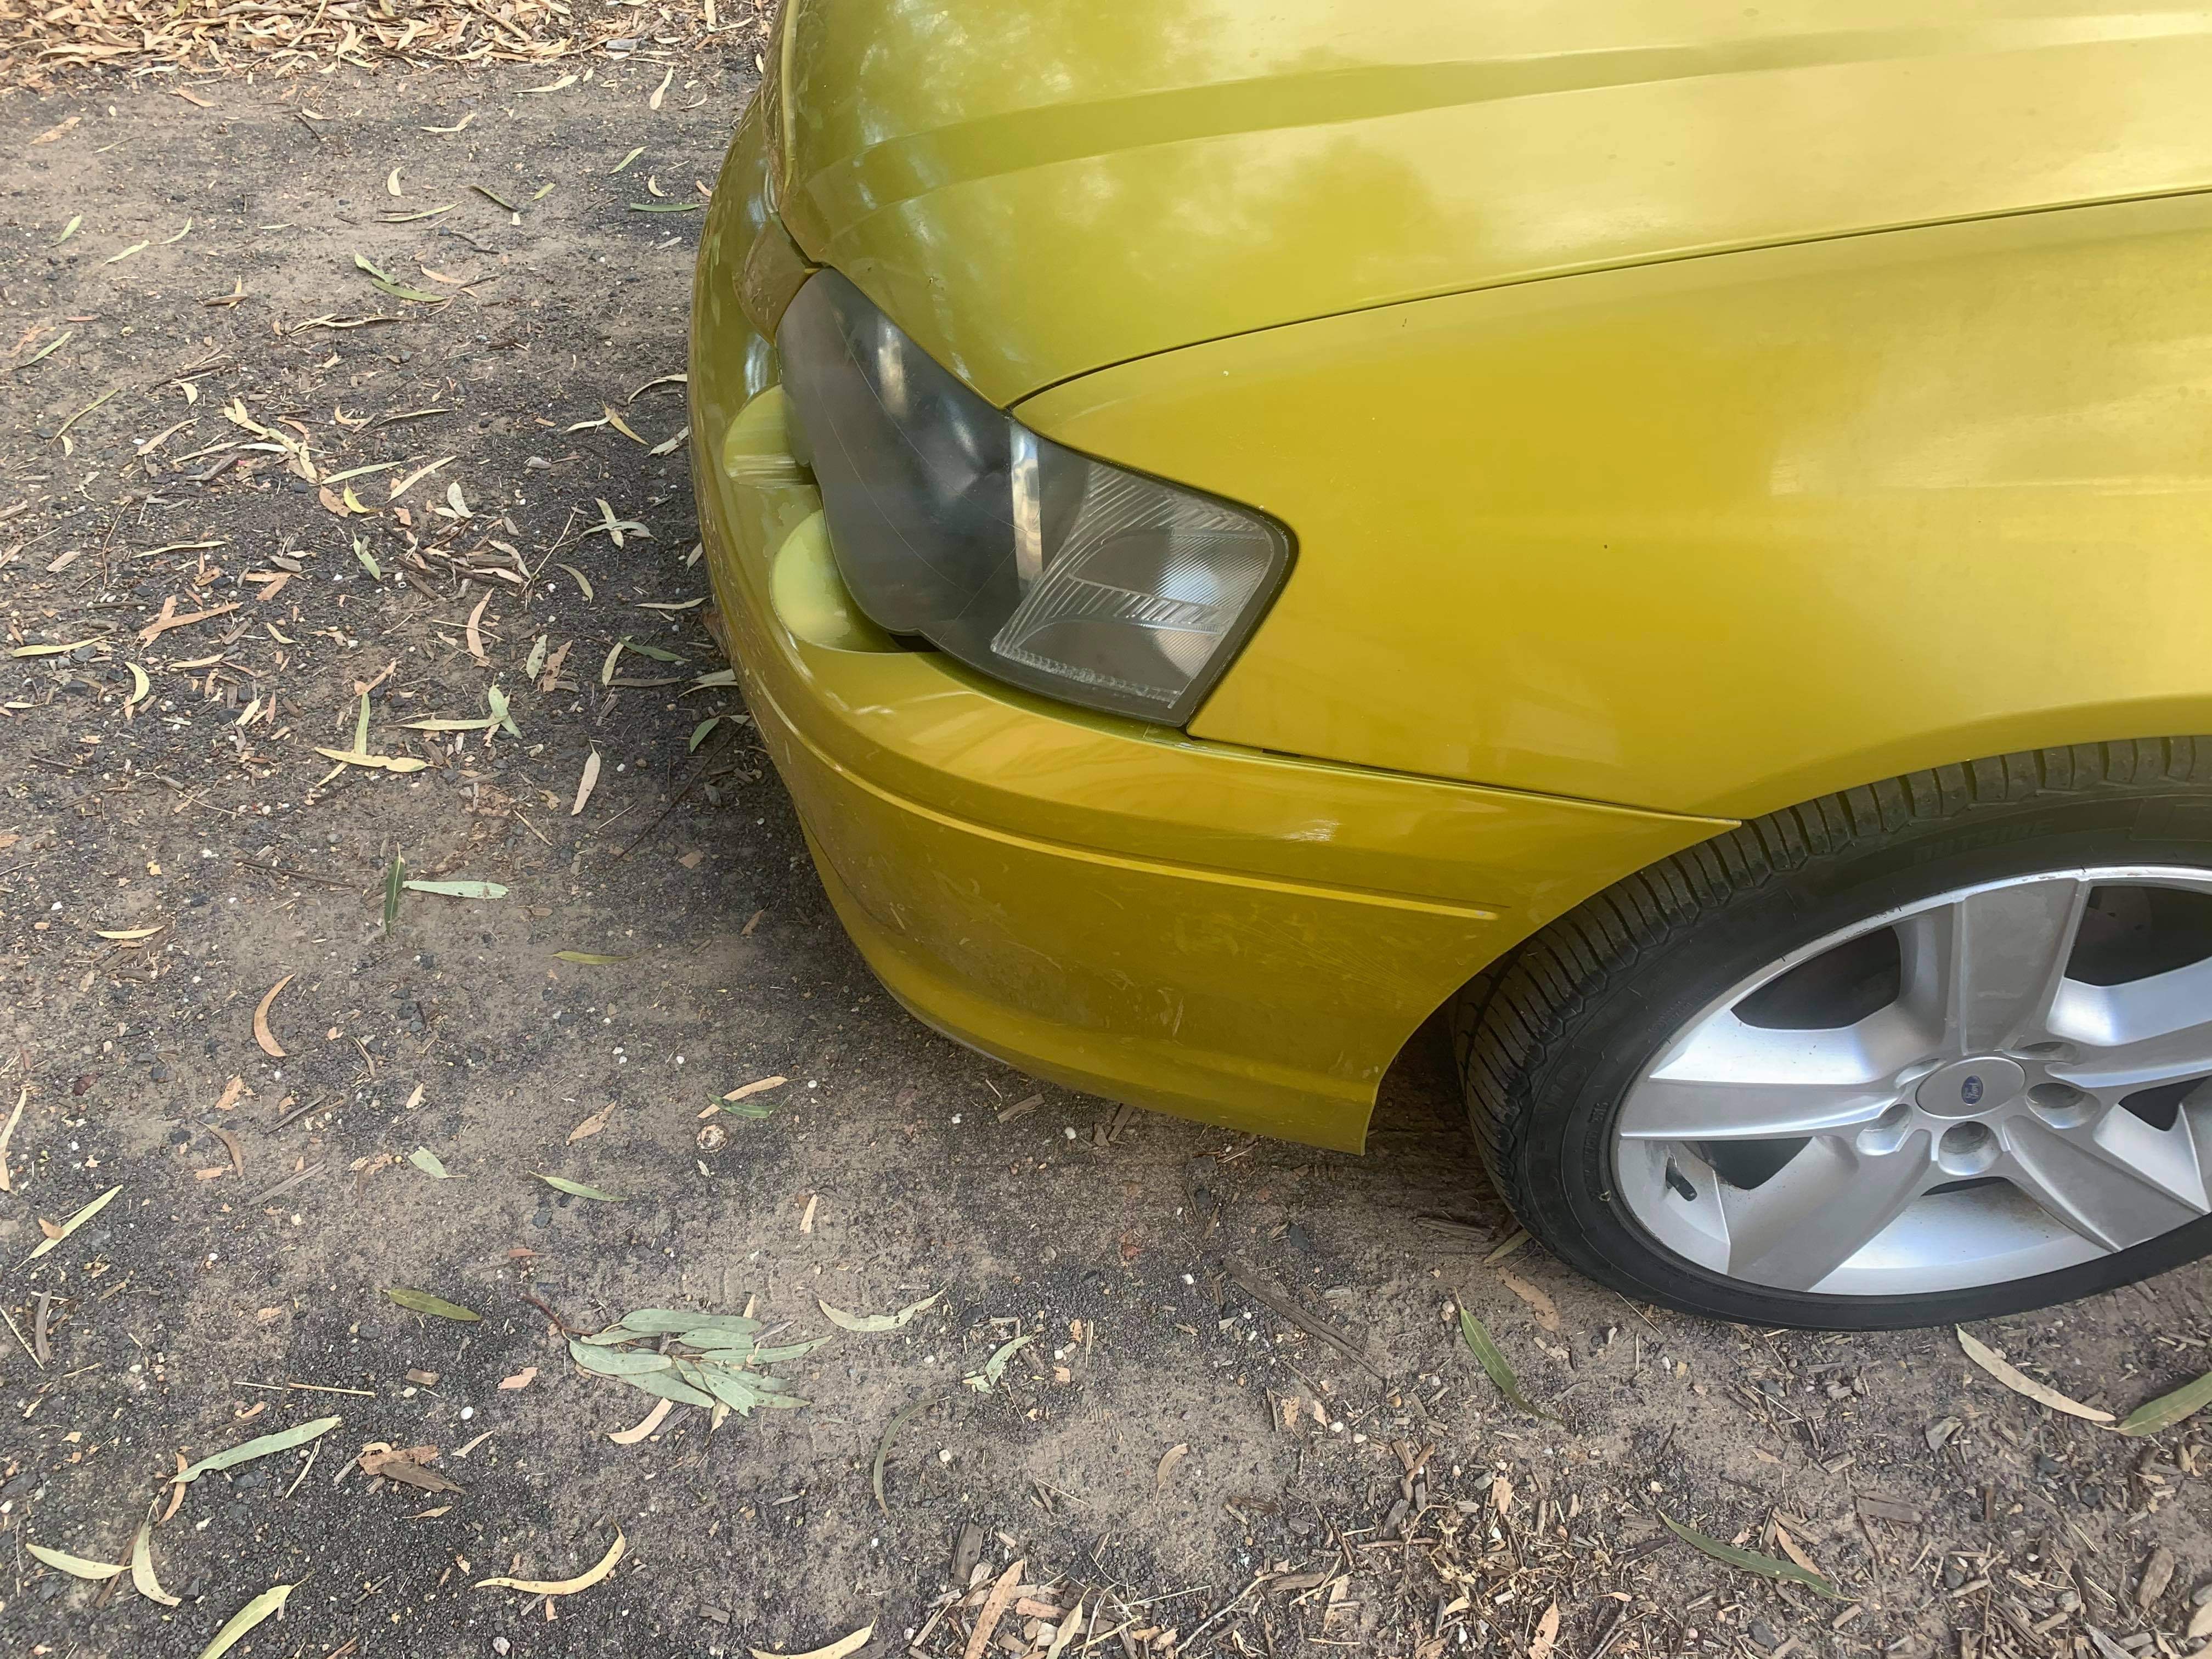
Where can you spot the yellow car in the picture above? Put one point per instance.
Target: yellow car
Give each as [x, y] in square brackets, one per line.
[1680, 534]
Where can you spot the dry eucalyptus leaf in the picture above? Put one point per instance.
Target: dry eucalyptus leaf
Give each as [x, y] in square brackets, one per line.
[141, 1567]
[563, 1586]
[262, 1034]
[268, 1602]
[577, 1189]
[1540, 1302]
[1547, 1634]
[1173, 1455]
[2020, 1383]
[870, 1323]
[593, 1124]
[585, 784]
[75, 1565]
[653, 1419]
[55, 1235]
[836, 1649]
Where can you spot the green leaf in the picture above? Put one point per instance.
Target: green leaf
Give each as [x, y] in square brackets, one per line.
[493, 195]
[427, 1161]
[143, 1577]
[652, 651]
[577, 1189]
[265, 1445]
[680, 1322]
[890, 1433]
[466, 890]
[496, 700]
[74, 1223]
[2169, 1409]
[699, 732]
[423, 1302]
[49, 349]
[995, 1366]
[536, 665]
[669, 1386]
[776, 1356]
[619, 1362]
[730, 1387]
[1485, 1350]
[361, 727]
[664, 207]
[1751, 1561]
[245, 1620]
[397, 290]
[75, 1565]
[368, 559]
[394, 878]
[758, 1108]
[588, 958]
[729, 1351]
[873, 1322]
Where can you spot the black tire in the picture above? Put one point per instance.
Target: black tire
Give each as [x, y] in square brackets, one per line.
[1548, 1050]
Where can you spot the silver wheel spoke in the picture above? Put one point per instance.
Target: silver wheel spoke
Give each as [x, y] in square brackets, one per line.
[2149, 1030]
[2116, 1183]
[1734, 1081]
[1820, 1209]
[1984, 970]
[1985, 1126]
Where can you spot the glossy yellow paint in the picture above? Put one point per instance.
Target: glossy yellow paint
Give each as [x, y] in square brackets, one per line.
[1696, 409]
[1037, 191]
[1725, 534]
[1201, 927]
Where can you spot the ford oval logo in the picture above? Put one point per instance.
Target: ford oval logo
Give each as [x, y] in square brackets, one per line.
[1971, 1092]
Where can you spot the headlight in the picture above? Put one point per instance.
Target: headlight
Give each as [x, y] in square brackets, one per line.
[1030, 562]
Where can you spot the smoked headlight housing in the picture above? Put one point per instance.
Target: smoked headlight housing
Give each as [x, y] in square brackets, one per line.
[1023, 559]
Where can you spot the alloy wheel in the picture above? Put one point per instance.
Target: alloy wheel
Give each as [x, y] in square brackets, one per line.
[2001, 1081]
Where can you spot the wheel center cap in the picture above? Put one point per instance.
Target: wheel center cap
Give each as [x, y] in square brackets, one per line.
[1969, 1087]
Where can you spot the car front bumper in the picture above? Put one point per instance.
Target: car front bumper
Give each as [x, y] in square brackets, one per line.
[1221, 932]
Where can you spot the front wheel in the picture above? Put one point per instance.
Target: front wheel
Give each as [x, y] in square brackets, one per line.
[1933, 1050]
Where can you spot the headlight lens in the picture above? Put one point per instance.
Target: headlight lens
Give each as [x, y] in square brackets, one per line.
[1036, 565]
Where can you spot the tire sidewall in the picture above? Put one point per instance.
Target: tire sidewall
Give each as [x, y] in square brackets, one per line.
[1575, 1093]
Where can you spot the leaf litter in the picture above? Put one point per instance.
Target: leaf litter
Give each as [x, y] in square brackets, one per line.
[709, 1360]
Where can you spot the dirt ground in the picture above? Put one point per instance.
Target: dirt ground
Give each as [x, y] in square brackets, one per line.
[1203, 1468]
